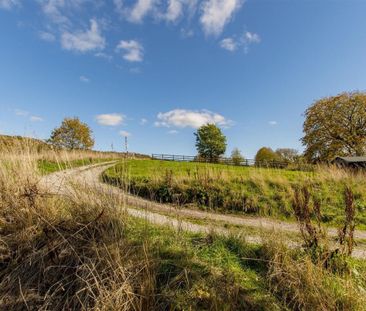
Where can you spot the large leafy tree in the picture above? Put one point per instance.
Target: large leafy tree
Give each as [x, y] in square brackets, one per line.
[210, 142]
[72, 134]
[335, 126]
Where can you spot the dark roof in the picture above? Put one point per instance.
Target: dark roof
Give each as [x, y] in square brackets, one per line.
[352, 159]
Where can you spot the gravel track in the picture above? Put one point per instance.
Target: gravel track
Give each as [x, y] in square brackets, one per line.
[163, 214]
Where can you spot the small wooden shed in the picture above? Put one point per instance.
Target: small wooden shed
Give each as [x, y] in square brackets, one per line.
[351, 162]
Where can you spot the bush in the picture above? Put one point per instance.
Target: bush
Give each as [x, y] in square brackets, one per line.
[267, 157]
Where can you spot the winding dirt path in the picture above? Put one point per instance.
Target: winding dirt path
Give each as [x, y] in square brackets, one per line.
[163, 214]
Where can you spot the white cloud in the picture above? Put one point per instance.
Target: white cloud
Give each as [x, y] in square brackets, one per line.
[173, 132]
[124, 133]
[52, 9]
[190, 118]
[168, 10]
[57, 10]
[36, 119]
[133, 50]
[112, 119]
[174, 11]
[143, 121]
[140, 10]
[80, 41]
[103, 55]
[119, 5]
[228, 44]
[273, 123]
[20, 112]
[8, 4]
[84, 79]
[186, 32]
[251, 37]
[24, 113]
[217, 13]
[47, 36]
[233, 43]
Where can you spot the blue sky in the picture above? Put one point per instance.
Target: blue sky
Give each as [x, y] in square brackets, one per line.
[157, 69]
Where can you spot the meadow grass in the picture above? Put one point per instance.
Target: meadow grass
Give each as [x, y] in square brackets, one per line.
[83, 252]
[246, 190]
[48, 167]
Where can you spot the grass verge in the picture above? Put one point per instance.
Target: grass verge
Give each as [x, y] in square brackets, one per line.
[246, 190]
[47, 167]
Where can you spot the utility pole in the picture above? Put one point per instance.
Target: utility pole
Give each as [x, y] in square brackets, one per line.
[126, 145]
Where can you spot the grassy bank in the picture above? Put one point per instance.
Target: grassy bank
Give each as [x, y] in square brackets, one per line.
[84, 253]
[47, 167]
[254, 191]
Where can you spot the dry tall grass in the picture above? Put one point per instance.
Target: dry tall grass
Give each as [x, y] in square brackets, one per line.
[65, 253]
[305, 285]
[71, 253]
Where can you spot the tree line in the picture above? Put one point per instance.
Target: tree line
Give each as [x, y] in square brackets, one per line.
[334, 126]
[211, 145]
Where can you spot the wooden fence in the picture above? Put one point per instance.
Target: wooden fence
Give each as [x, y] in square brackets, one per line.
[221, 160]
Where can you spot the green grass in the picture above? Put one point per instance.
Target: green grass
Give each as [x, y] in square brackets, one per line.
[83, 252]
[243, 190]
[205, 272]
[148, 168]
[197, 272]
[47, 167]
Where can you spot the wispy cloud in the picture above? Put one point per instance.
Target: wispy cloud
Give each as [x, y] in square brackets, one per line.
[36, 119]
[182, 118]
[140, 10]
[251, 37]
[273, 123]
[52, 9]
[104, 56]
[228, 44]
[84, 41]
[186, 32]
[173, 132]
[217, 13]
[213, 14]
[26, 114]
[174, 10]
[9, 4]
[133, 50]
[143, 121]
[125, 133]
[47, 36]
[21, 112]
[111, 119]
[245, 40]
[84, 79]
[135, 70]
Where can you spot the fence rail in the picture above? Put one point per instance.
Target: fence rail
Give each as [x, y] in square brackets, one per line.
[222, 160]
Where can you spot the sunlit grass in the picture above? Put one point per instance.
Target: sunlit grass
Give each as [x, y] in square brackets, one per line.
[245, 190]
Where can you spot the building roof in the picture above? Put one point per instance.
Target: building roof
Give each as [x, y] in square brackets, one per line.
[352, 159]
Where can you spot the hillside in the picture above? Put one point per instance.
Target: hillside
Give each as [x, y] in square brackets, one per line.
[241, 190]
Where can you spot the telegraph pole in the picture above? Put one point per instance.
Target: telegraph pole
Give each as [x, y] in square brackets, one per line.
[126, 145]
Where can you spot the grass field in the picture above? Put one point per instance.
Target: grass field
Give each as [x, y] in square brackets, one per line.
[83, 252]
[248, 190]
[48, 167]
